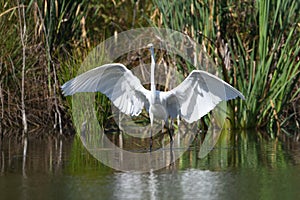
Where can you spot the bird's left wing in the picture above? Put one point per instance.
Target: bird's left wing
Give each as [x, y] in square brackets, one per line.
[198, 94]
[116, 82]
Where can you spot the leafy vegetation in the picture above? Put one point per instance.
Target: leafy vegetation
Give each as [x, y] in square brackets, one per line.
[263, 43]
[58, 36]
[261, 38]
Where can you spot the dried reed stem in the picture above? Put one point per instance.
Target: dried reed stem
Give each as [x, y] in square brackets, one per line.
[23, 41]
[50, 63]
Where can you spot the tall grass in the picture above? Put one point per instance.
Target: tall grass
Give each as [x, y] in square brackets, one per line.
[262, 38]
[28, 68]
[269, 71]
[57, 34]
[263, 42]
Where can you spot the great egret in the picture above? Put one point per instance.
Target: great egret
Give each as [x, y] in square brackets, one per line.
[198, 94]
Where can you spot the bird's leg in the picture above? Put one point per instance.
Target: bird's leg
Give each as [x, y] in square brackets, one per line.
[170, 129]
[171, 155]
[178, 129]
[151, 139]
[151, 127]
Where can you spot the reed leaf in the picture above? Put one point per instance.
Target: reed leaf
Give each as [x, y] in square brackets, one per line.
[263, 39]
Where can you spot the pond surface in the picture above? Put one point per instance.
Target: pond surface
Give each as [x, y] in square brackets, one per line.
[242, 165]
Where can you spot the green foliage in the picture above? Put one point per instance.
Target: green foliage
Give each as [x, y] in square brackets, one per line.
[59, 35]
[263, 41]
[261, 37]
[11, 68]
[268, 70]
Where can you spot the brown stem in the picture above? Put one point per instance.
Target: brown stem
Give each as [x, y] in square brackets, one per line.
[23, 41]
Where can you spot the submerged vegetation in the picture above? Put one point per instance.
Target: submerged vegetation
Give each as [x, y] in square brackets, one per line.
[43, 43]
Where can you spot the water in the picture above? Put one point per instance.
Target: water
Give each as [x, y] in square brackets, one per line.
[243, 165]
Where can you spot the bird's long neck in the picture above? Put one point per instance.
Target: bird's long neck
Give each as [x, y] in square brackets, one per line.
[153, 89]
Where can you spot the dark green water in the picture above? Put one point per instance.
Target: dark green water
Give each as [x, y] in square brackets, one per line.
[243, 165]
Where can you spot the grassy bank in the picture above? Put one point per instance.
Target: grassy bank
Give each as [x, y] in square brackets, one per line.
[43, 43]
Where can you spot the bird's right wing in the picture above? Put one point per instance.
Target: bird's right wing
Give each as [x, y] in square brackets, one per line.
[116, 82]
[198, 94]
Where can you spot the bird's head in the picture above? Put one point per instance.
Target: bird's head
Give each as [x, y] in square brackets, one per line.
[150, 46]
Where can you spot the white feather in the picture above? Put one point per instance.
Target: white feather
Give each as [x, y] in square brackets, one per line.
[116, 82]
[198, 94]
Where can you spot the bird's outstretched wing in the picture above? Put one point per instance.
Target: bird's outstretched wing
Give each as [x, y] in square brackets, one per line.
[116, 82]
[198, 94]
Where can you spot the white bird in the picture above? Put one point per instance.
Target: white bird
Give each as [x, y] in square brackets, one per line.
[198, 94]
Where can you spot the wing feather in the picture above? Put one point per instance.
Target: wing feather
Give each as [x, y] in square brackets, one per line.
[116, 82]
[198, 94]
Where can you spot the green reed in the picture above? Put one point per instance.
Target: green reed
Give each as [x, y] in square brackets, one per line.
[57, 34]
[263, 41]
[267, 69]
[262, 38]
